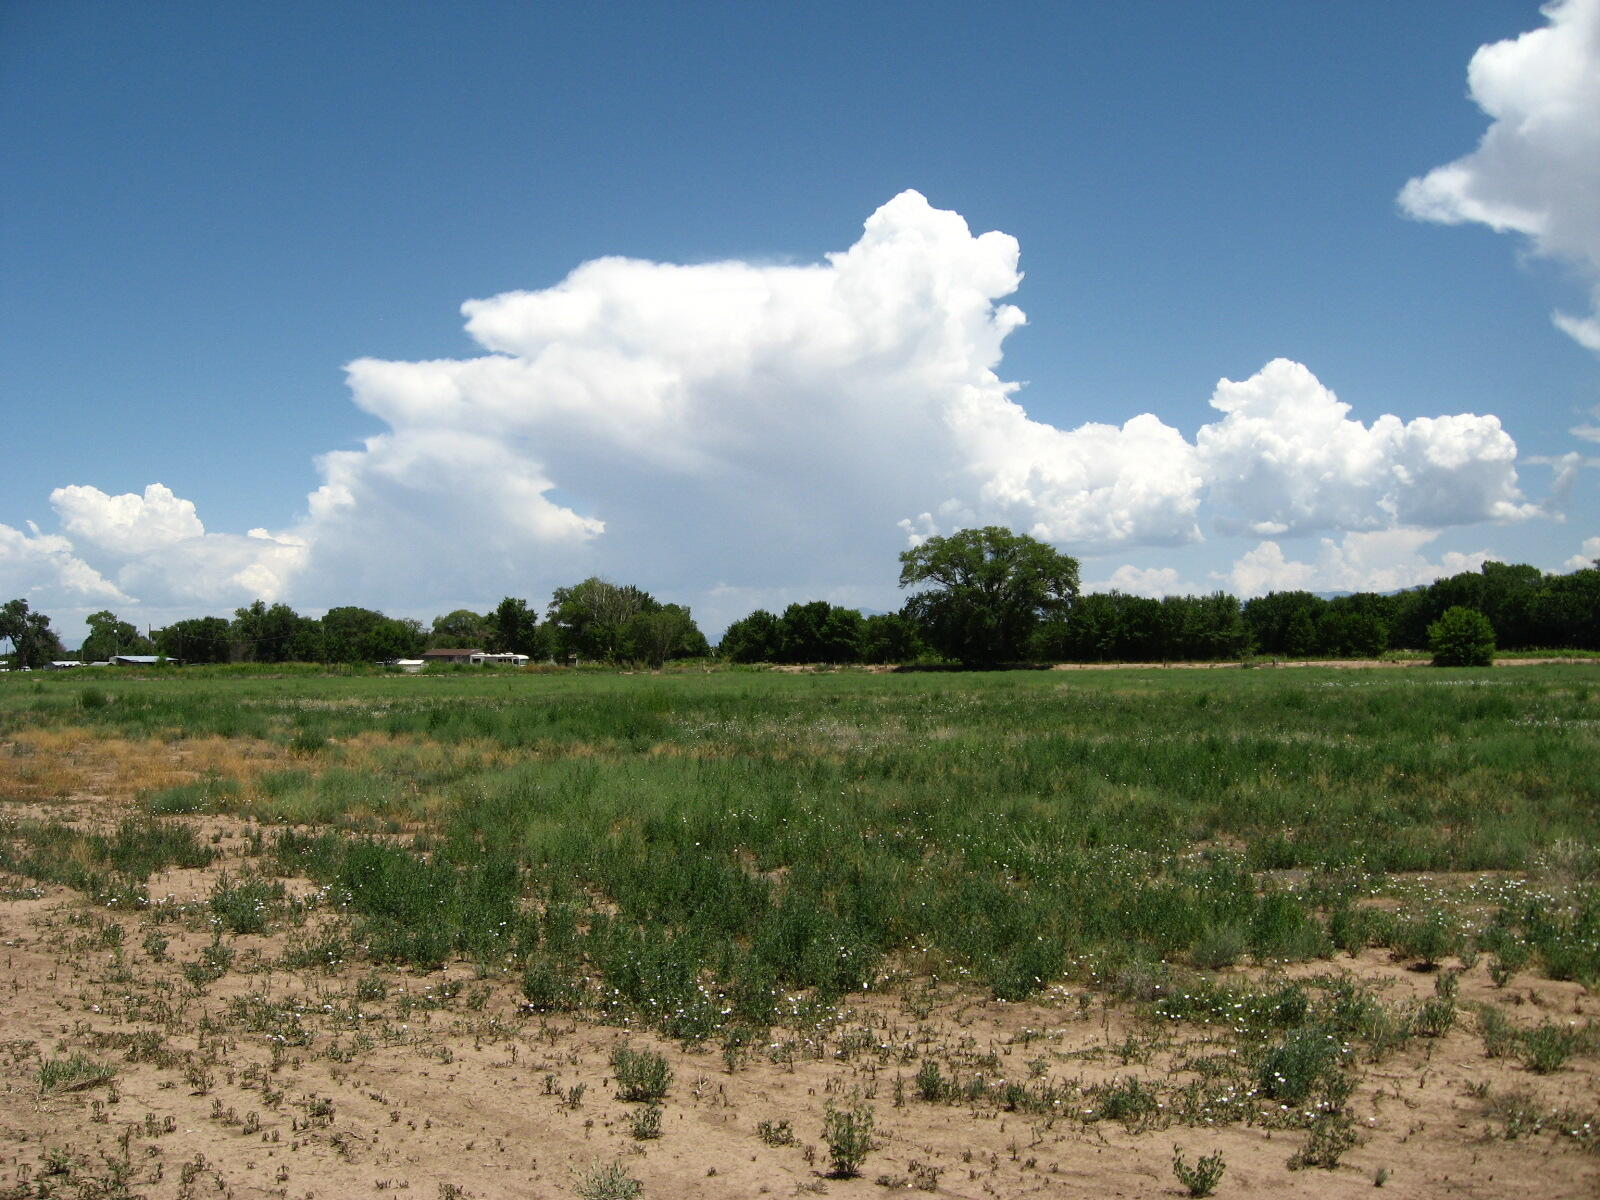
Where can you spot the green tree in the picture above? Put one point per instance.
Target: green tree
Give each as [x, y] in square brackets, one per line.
[274, 634]
[347, 632]
[590, 619]
[668, 632]
[889, 638]
[1461, 637]
[991, 588]
[514, 629]
[819, 632]
[33, 642]
[756, 638]
[109, 635]
[462, 629]
[196, 640]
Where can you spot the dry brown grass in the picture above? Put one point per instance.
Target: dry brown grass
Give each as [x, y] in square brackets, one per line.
[69, 763]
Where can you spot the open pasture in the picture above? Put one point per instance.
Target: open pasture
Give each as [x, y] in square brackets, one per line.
[1035, 928]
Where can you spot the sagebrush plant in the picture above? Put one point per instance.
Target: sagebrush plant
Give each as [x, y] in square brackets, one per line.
[848, 1135]
[1331, 1135]
[645, 1123]
[776, 1133]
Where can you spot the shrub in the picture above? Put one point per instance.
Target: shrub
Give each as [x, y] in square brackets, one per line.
[548, 988]
[1331, 1136]
[1547, 1048]
[243, 905]
[1428, 940]
[776, 1133]
[606, 1183]
[1219, 946]
[1512, 957]
[848, 1132]
[932, 1086]
[1202, 1178]
[641, 1074]
[1292, 1068]
[645, 1123]
[1462, 637]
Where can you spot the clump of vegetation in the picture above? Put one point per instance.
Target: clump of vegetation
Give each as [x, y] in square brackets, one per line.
[848, 1135]
[1332, 1134]
[73, 1074]
[642, 1075]
[776, 1133]
[1219, 946]
[606, 1182]
[244, 904]
[1546, 1048]
[645, 1123]
[1290, 1070]
[548, 987]
[1461, 637]
[1200, 1178]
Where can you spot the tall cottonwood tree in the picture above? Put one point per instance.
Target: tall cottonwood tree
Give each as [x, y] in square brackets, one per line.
[990, 588]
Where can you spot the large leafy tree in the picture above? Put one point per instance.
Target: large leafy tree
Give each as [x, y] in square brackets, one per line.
[274, 634]
[1461, 637]
[590, 619]
[668, 632]
[109, 635]
[889, 638]
[196, 640]
[461, 629]
[357, 635]
[752, 639]
[33, 642]
[989, 589]
[514, 629]
[819, 632]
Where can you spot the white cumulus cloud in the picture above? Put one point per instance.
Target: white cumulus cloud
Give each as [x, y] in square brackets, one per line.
[1537, 170]
[1358, 562]
[783, 430]
[129, 524]
[43, 568]
[1286, 459]
[1154, 582]
[760, 424]
[158, 551]
[1586, 557]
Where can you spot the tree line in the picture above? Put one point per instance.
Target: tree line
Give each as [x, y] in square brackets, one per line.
[983, 597]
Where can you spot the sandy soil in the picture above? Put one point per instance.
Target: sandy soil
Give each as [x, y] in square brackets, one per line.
[271, 1082]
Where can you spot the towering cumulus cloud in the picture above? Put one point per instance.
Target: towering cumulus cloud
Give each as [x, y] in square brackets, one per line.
[752, 431]
[1537, 169]
[736, 422]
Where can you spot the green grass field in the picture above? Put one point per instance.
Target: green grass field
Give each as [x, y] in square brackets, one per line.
[703, 848]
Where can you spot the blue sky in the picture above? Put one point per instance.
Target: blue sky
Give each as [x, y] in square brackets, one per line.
[209, 210]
